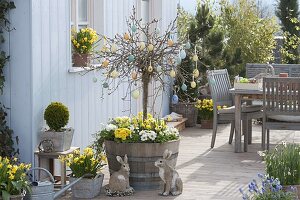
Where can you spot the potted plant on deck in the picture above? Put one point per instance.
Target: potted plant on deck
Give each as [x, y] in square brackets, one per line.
[205, 109]
[89, 164]
[13, 181]
[83, 42]
[143, 141]
[57, 138]
[284, 163]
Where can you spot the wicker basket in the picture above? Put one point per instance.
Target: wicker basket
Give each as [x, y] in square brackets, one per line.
[188, 111]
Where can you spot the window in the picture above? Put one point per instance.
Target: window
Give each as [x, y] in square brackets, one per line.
[81, 12]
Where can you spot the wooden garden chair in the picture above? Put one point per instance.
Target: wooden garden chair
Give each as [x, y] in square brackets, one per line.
[281, 105]
[219, 84]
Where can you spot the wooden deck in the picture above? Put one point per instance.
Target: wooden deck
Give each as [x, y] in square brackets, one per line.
[214, 173]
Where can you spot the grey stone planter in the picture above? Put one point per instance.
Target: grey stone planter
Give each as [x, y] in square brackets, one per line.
[87, 188]
[15, 197]
[61, 140]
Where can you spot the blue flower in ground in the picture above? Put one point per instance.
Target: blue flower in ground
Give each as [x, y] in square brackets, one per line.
[261, 175]
[245, 196]
[269, 188]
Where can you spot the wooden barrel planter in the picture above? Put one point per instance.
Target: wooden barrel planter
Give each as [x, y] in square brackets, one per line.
[141, 157]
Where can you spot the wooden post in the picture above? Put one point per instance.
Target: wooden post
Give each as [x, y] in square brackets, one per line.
[238, 108]
[145, 82]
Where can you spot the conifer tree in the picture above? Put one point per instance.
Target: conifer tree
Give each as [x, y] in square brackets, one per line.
[209, 47]
[287, 11]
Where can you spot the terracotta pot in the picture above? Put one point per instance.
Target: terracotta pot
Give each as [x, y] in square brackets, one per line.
[80, 60]
[283, 75]
[288, 188]
[207, 124]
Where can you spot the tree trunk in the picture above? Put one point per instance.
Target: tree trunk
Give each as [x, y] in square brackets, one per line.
[145, 82]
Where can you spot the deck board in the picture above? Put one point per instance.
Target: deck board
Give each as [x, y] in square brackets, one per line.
[214, 173]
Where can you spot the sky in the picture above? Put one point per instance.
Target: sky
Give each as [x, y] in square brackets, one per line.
[190, 5]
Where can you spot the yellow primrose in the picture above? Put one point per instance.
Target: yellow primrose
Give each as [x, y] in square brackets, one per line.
[76, 160]
[11, 177]
[14, 169]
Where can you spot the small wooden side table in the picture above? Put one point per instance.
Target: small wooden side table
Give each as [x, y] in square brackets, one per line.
[42, 157]
[180, 125]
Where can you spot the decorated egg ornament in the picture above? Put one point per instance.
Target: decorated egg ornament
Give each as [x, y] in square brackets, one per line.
[135, 94]
[175, 99]
[172, 73]
[184, 87]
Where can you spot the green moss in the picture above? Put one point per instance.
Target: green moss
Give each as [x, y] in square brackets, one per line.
[56, 116]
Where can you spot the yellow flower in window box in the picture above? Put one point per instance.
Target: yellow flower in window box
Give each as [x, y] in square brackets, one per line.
[83, 44]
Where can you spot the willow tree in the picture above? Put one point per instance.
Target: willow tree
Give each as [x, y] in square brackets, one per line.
[140, 55]
[245, 29]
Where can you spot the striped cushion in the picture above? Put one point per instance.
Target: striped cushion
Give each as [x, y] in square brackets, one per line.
[245, 109]
[285, 118]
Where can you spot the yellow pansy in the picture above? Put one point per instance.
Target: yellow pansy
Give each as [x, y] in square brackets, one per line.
[122, 133]
[11, 177]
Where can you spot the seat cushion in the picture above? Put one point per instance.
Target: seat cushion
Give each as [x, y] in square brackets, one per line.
[285, 118]
[245, 109]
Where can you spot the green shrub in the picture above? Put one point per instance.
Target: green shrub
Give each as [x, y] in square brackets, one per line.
[56, 116]
[284, 163]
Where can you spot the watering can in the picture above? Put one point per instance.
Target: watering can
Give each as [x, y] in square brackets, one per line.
[45, 189]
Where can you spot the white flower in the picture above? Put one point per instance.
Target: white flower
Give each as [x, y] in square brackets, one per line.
[174, 131]
[111, 127]
[144, 138]
[147, 135]
[152, 135]
[131, 127]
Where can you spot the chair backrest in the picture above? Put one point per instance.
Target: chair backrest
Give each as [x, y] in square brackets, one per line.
[281, 96]
[219, 85]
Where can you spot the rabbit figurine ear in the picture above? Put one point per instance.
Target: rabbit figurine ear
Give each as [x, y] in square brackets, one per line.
[169, 155]
[165, 155]
[125, 158]
[119, 159]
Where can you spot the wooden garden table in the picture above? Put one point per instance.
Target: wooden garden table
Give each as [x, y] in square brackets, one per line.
[240, 95]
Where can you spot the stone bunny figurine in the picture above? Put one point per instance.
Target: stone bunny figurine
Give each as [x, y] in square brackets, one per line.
[119, 181]
[168, 174]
